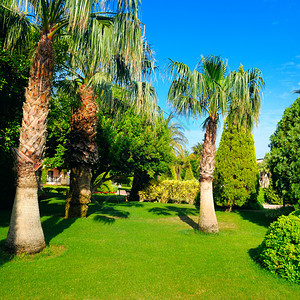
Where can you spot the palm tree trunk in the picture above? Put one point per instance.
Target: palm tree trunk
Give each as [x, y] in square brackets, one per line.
[207, 217]
[25, 231]
[80, 192]
[82, 153]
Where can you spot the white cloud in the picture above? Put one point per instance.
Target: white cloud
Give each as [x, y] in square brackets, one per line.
[287, 64]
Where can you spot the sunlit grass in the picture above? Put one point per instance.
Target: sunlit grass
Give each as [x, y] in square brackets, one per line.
[131, 250]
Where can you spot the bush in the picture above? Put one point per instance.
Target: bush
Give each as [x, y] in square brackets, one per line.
[106, 187]
[280, 250]
[171, 191]
[60, 189]
[271, 196]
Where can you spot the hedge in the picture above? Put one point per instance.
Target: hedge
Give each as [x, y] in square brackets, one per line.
[171, 191]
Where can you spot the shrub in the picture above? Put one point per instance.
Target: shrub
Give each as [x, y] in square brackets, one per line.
[280, 250]
[271, 195]
[56, 189]
[171, 191]
[107, 186]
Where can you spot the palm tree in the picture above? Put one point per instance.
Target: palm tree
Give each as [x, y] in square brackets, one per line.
[209, 91]
[106, 63]
[197, 149]
[49, 17]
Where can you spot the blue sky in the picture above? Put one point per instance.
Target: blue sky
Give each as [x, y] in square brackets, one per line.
[260, 33]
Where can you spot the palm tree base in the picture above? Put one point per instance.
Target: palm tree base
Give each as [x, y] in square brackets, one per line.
[213, 228]
[207, 217]
[25, 233]
[80, 193]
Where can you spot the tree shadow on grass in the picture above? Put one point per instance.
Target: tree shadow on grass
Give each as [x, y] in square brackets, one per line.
[181, 212]
[255, 216]
[54, 208]
[106, 212]
[4, 255]
[54, 226]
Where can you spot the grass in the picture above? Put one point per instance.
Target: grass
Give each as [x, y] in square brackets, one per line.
[141, 251]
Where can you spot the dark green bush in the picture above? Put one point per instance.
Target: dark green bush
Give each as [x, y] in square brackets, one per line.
[280, 251]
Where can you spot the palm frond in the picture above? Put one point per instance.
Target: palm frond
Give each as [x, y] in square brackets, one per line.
[246, 97]
[184, 89]
[17, 28]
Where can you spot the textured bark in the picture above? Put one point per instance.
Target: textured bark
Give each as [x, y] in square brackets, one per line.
[82, 153]
[25, 231]
[207, 216]
[80, 192]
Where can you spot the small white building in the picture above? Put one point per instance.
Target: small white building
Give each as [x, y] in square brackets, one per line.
[55, 176]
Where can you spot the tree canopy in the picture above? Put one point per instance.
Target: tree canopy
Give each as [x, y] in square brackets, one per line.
[284, 159]
[132, 144]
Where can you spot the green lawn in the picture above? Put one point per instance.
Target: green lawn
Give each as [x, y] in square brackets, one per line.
[142, 251]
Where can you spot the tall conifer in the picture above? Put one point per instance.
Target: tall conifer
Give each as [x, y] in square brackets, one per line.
[235, 175]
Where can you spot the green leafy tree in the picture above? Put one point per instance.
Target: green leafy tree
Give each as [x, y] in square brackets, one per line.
[236, 176]
[132, 145]
[284, 160]
[14, 72]
[58, 130]
[209, 91]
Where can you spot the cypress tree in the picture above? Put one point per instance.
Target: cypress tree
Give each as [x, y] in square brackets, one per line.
[189, 172]
[236, 175]
[173, 175]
